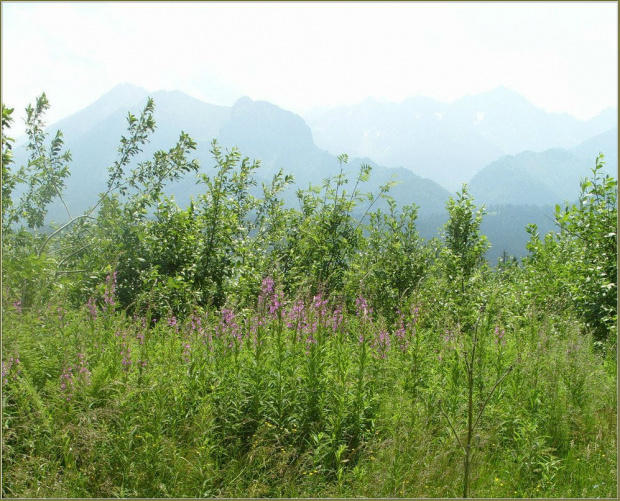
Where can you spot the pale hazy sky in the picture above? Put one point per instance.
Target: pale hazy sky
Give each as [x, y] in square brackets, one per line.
[563, 57]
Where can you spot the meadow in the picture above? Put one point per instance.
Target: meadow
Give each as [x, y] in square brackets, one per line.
[239, 348]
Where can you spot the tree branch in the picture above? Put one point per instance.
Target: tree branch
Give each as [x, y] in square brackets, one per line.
[451, 427]
[52, 235]
[491, 393]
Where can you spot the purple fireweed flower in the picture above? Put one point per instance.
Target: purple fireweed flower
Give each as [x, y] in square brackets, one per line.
[108, 294]
[381, 343]
[126, 353]
[207, 337]
[277, 304]
[401, 334]
[74, 375]
[172, 321]
[363, 310]
[10, 368]
[310, 328]
[66, 382]
[18, 305]
[499, 336]
[228, 326]
[92, 308]
[267, 287]
[414, 314]
[266, 292]
[82, 367]
[195, 324]
[296, 316]
[186, 352]
[319, 305]
[309, 342]
[337, 319]
[269, 298]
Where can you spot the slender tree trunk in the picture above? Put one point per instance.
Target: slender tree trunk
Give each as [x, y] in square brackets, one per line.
[470, 432]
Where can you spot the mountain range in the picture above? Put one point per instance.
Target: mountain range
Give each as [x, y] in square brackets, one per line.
[450, 143]
[517, 158]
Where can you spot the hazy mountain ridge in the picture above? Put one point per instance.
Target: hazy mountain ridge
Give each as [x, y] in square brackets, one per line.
[261, 130]
[547, 177]
[450, 143]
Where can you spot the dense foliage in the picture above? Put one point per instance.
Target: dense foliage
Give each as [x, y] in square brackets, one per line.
[239, 348]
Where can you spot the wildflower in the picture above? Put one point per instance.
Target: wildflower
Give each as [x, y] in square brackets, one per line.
[337, 319]
[195, 324]
[320, 305]
[18, 305]
[382, 344]
[269, 299]
[83, 372]
[11, 367]
[499, 336]
[400, 334]
[228, 327]
[296, 315]
[414, 315]
[126, 354]
[108, 294]
[92, 308]
[67, 382]
[309, 342]
[363, 310]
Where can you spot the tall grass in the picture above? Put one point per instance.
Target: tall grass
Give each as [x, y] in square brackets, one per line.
[300, 397]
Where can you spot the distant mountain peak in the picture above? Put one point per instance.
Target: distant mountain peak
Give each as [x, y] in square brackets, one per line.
[242, 101]
[122, 92]
[122, 96]
[502, 94]
[126, 87]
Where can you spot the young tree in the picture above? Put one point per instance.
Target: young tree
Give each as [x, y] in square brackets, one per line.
[464, 245]
[578, 264]
[8, 179]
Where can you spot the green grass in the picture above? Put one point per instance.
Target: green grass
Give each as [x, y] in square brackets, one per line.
[262, 404]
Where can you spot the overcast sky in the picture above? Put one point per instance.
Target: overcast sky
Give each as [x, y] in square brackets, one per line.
[563, 57]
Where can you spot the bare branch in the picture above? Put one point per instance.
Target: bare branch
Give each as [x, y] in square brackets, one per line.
[491, 393]
[451, 427]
